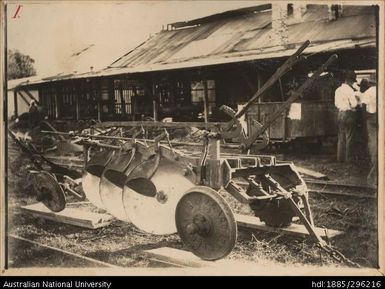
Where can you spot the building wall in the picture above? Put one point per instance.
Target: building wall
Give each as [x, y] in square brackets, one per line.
[180, 94]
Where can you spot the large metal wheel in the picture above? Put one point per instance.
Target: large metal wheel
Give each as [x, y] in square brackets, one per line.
[206, 223]
[49, 192]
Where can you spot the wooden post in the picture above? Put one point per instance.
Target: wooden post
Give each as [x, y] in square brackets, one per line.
[154, 101]
[76, 93]
[122, 101]
[77, 109]
[111, 97]
[213, 172]
[206, 101]
[214, 149]
[99, 114]
[56, 107]
[258, 117]
[98, 92]
[15, 103]
[259, 84]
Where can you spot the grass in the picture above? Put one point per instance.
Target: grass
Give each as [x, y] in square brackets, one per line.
[121, 243]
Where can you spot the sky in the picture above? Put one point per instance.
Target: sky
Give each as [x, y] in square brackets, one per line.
[51, 31]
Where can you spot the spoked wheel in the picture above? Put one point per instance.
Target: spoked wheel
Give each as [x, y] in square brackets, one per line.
[275, 213]
[49, 192]
[206, 223]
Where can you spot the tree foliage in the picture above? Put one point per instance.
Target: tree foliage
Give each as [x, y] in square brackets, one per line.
[19, 65]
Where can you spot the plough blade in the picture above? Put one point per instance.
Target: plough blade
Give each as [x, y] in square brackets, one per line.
[112, 182]
[145, 168]
[92, 174]
[156, 215]
[142, 186]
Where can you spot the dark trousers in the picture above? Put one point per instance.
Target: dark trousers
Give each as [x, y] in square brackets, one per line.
[371, 123]
[347, 121]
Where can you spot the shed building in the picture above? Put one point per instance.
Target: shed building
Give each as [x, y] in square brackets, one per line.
[188, 70]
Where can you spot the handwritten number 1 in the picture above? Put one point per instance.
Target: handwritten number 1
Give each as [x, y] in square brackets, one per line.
[17, 11]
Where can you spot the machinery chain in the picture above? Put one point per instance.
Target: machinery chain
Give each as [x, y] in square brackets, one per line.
[338, 256]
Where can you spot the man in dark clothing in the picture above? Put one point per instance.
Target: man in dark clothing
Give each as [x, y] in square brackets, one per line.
[370, 101]
[33, 114]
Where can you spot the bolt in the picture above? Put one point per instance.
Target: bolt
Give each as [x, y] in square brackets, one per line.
[186, 172]
[192, 228]
[161, 197]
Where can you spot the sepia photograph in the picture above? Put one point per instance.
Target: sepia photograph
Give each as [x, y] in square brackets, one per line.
[192, 138]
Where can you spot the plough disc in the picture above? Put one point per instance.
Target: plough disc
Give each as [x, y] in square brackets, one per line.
[206, 223]
[150, 204]
[143, 167]
[49, 192]
[123, 167]
[112, 182]
[92, 174]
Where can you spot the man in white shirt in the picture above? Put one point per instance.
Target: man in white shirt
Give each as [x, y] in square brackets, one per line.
[346, 102]
[370, 100]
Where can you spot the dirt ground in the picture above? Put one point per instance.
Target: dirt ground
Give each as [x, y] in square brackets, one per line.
[121, 243]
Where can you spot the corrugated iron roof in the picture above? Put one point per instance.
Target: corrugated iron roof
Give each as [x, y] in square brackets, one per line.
[22, 81]
[248, 32]
[226, 58]
[242, 37]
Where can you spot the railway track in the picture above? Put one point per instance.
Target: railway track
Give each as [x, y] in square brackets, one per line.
[340, 189]
[73, 258]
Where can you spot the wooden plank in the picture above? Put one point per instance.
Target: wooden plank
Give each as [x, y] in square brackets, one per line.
[176, 257]
[311, 173]
[23, 97]
[72, 216]
[31, 96]
[294, 229]
[15, 104]
[157, 124]
[181, 258]
[76, 162]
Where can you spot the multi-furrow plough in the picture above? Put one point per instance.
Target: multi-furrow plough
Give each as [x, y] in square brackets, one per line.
[162, 189]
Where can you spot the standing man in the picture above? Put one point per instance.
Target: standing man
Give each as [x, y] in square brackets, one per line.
[346, 103]
[370, 99]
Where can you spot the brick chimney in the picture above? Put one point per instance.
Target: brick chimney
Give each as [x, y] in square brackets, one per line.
[279, 13]
[299, 10]
[334, 11]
